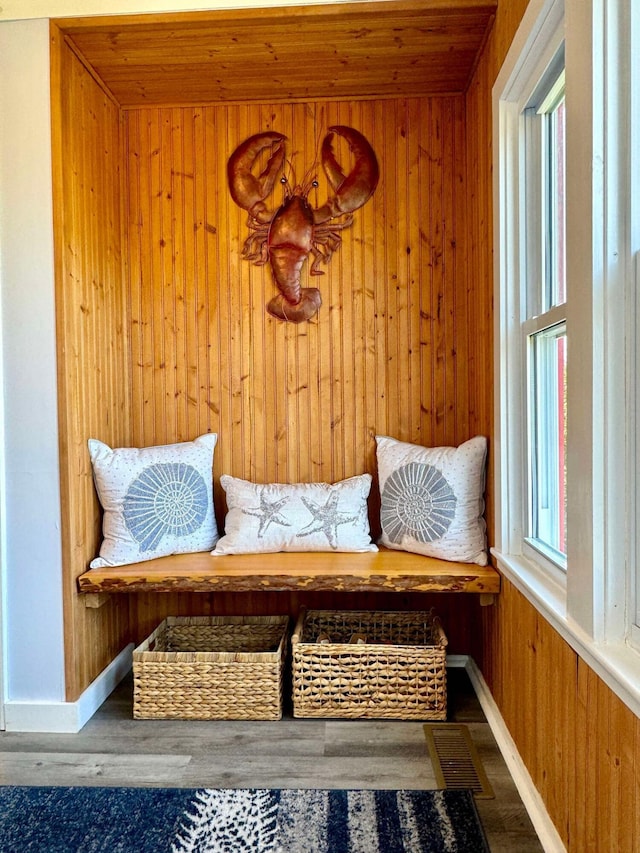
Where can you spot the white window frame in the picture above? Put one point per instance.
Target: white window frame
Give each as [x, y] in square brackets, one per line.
[633, 320]
[593, 607]
[514, 224]
[529, 191]
[537, 547]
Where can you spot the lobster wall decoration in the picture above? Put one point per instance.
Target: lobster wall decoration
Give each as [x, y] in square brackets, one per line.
[287, 236]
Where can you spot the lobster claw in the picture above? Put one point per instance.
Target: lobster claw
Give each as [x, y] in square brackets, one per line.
[247, 190]
[354, 189]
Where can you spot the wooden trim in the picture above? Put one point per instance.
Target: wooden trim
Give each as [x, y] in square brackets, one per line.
[383, 571]
[480, 51]
[257, 102]
[72, 643]
[86, 65]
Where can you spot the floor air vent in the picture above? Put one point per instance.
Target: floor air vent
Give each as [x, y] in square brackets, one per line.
[456, 763]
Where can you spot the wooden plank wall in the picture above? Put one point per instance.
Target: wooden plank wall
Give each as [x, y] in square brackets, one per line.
[389, 351]
[93, 388]
[459, 614]
[580, 743]
[163, 333]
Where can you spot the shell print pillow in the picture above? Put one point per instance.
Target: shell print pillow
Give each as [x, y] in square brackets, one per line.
[156, 500]
[432, 499]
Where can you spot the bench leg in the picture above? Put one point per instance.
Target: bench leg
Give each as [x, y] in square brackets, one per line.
[95, 599]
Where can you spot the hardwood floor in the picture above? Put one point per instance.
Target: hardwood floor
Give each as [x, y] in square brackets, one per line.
[114, 749]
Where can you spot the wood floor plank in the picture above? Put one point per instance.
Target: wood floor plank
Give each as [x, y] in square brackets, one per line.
[72, 768]
[356, 738]
[372, 773]
[212, 740]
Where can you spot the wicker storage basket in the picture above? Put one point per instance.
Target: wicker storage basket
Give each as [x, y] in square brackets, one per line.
[211, 668]
[398, 670]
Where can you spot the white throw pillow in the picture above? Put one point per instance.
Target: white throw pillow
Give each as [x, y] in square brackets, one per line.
[298, 517]
[156, 500]
[432, 499]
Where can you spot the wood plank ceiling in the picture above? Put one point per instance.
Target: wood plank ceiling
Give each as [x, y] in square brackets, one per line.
[389, 48]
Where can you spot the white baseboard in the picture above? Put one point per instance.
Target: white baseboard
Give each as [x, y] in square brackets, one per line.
[533, 802]
[68, 717]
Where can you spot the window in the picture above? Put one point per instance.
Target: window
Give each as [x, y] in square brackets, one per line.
[547, 377]
[544, 328]
[568, 267]
[533, 369]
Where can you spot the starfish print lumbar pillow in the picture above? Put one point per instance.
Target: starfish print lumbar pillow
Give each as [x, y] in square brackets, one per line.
[297, 517]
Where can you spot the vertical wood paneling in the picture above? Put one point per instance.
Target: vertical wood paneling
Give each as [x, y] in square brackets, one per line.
[463, 329]
[579, 741]
[294, 403]
[458, 612]
[392, 351]
[92, 335]
[297, 403]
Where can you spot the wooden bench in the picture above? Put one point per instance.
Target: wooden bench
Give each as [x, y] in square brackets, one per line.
[381, 571]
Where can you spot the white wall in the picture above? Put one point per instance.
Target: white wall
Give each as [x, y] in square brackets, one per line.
[32, 591]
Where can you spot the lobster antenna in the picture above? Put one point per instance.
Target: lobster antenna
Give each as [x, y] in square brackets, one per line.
[318, 133]
[311, 175]
[288, 180]
[309, 178]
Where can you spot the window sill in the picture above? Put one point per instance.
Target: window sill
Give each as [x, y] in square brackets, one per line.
[617, 664]
[546, 592]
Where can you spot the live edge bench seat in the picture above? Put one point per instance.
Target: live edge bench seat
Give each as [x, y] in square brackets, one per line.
[381, 571]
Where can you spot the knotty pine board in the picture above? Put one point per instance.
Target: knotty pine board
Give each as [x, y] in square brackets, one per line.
[163, 332]
[384, 355]
[92, 339]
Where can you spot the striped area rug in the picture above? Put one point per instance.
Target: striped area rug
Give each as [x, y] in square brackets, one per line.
[179, 820]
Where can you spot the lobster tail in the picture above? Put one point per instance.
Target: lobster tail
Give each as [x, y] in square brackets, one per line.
[305, 309]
